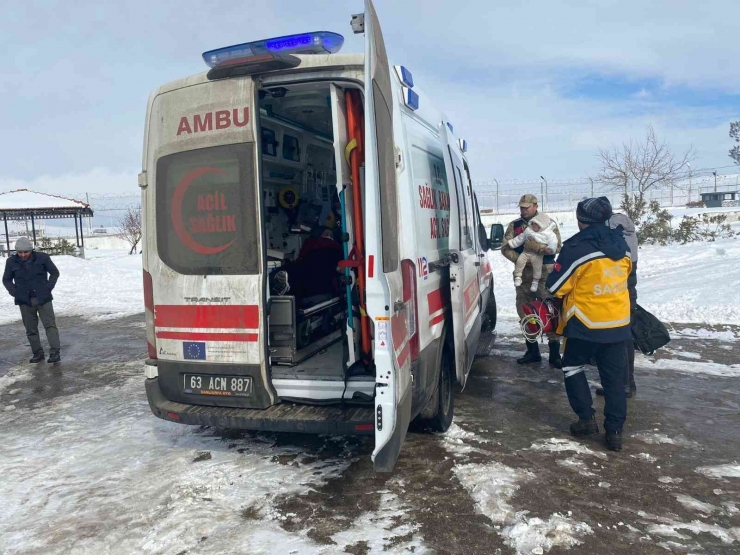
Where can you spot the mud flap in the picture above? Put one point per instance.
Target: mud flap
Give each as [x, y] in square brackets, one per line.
[386, 458]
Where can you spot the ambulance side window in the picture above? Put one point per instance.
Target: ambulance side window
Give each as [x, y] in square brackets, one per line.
[467, 234]
[387, 180]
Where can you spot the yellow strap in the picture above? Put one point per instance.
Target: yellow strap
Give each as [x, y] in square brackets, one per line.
[349, 148]
[362, 312]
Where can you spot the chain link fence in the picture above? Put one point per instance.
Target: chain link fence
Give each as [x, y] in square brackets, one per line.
[502, 197]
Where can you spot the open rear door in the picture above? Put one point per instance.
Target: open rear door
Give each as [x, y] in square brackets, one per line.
[464, 261]
[385, 295]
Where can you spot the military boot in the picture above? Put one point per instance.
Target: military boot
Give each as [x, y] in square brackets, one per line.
[532, 355]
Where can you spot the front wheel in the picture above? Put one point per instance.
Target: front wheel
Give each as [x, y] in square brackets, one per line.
[441, 421]
[490, 313]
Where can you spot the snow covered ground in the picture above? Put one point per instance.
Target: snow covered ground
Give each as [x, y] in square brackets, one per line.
[107, 284]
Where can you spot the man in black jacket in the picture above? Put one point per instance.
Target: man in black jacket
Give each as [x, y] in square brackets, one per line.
[26, 280]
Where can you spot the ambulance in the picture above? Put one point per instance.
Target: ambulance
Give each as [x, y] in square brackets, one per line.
[314, 259]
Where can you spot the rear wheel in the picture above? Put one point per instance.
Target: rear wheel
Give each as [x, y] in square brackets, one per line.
[441, 421]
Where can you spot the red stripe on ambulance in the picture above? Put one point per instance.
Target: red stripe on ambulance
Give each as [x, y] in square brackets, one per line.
[438, 299]
[196, 336]
[207, 316]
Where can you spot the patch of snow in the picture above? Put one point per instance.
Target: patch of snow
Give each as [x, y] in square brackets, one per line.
[721, 471]
[559, 445]
[647, 457]
[107, 285]
[688, 367]
[671, 530]
[15, 375]
[605, 485]
[384, 530]
[684, 354]
[703, 333]
[669, 480]
[652, 438]
[535, 535]
[493, 485]
[505, 353]
[454, 440]
[730, 508]
[696, 505]
[577, 465]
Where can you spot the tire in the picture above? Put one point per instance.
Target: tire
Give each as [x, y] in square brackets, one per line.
[490, 313]
[441, 421]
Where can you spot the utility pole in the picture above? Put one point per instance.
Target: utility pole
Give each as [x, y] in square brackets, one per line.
[543, 191]
[689, 165]
[715, 181]
[89, 220]
[592, 187]
[496, 195]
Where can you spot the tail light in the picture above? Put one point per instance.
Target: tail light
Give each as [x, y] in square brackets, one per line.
[151, 341]
[408, 271]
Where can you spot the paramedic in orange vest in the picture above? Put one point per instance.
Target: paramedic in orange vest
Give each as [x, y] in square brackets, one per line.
[590, 276]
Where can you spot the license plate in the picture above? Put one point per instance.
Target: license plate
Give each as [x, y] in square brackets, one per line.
[224, 386]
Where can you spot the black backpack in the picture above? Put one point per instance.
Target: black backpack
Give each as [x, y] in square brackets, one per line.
[648, 333]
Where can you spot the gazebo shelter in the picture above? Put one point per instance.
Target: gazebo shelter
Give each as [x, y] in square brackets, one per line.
[23, 204]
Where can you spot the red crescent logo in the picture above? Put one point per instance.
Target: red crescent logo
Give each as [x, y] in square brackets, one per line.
[177, 222]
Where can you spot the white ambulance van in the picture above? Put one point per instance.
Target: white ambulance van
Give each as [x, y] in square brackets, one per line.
[314, 259]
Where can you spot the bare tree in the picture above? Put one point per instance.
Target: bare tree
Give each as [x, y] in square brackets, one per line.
[129, 227]
[735, 134]
[635, 168]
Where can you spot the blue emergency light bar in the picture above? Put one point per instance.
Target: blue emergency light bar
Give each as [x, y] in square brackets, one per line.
[321, 42]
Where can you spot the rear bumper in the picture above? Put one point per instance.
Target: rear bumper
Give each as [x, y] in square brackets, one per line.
[283, 417]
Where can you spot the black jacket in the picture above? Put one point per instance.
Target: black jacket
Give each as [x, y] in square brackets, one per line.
[20, 278]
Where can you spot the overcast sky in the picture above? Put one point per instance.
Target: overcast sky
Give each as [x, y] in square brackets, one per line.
[535, 87]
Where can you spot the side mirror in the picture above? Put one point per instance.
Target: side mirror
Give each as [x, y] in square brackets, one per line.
[497, 237]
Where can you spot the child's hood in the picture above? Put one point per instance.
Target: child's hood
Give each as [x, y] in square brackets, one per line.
[542, 220]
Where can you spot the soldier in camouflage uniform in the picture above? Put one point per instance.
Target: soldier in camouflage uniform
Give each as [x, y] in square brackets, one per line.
[528, 209]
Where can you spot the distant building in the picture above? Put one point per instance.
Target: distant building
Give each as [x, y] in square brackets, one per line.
[721, 198]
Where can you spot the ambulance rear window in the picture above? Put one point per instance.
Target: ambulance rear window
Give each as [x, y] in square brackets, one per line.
[206, 211]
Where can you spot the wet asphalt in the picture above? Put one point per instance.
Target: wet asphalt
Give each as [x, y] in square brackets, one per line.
[621, 496]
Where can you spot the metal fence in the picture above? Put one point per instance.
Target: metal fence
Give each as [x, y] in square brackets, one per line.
[502, 197]
[497, 197]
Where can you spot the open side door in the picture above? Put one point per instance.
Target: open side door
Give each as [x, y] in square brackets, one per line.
[386, 304]
[464, 261]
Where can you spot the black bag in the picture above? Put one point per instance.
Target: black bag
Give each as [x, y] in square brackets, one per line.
[648, 333]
